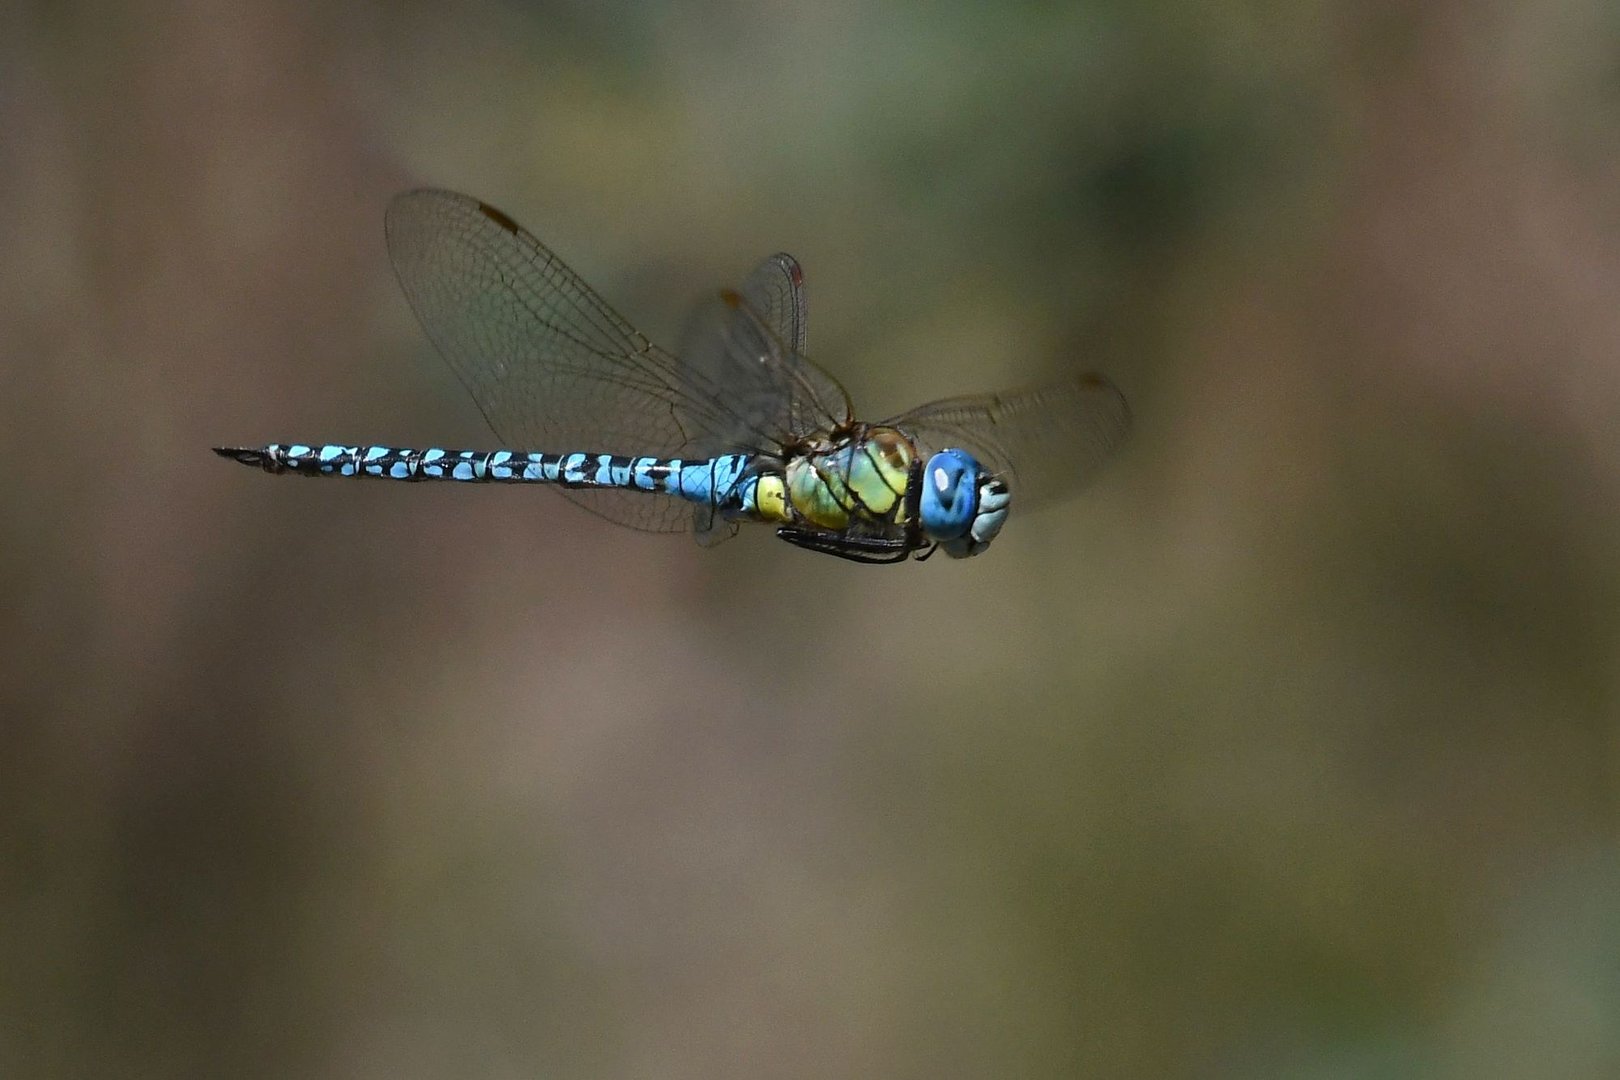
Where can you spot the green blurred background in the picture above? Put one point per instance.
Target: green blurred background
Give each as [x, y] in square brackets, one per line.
[1289, 749]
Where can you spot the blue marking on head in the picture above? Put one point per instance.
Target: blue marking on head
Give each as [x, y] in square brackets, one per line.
[950, 494]
[399, 470]
[993, 501]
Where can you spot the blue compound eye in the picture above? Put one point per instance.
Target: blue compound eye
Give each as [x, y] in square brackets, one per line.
[950, 494]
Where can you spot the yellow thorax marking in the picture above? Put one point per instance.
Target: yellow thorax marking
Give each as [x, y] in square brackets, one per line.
[770, 498]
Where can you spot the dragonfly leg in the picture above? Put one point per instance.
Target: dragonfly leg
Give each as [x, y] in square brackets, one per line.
[865, 549]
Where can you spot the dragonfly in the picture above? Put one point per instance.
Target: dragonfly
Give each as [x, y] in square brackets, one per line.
[738, 426]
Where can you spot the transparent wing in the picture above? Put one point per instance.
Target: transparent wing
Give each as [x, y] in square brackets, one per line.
[776, 291]
[751, 342]
[1047, 441]
[549, 363]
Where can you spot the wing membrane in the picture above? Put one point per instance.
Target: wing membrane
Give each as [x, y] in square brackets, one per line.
[549, 363]
[1048, 441]
[752, 342]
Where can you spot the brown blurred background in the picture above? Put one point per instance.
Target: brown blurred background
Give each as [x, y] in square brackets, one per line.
[1289, 749]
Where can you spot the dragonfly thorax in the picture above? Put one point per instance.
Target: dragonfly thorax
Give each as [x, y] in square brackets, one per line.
[858, 479]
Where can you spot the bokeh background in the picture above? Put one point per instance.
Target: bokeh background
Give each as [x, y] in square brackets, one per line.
[1289, 749]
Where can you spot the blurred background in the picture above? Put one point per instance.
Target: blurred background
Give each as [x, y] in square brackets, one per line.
[1288, 749]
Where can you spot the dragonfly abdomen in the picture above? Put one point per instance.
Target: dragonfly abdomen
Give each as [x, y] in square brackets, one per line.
[706, 480]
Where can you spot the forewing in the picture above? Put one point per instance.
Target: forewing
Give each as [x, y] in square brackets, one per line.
[549, 363]
[1047, 441]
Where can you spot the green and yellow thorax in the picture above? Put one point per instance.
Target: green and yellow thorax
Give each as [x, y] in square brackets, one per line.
[859, 478]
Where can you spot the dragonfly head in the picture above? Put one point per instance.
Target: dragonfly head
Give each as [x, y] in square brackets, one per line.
[963, 507]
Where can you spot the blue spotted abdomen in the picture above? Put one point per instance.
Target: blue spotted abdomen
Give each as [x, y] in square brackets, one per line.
[707, 480]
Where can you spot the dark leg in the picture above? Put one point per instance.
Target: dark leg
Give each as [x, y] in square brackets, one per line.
[864, 549]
